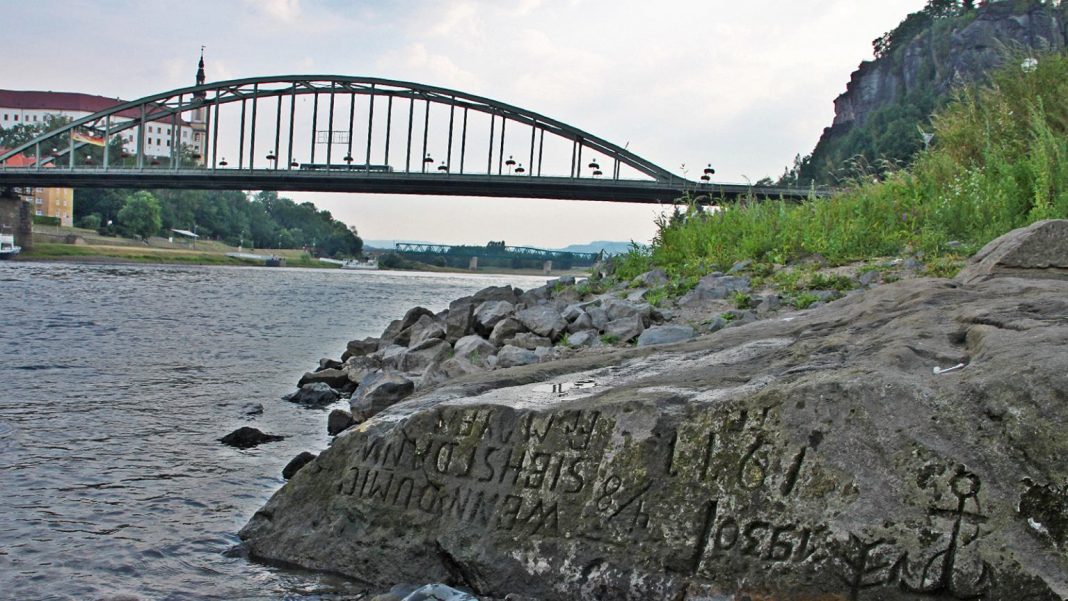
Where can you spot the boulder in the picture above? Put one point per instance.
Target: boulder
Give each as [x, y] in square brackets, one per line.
[247, 437]
[583, 338]
[393, 335]
[512, 356]
[572, 312]
[379, 391]
[496, 293]
[543, 320]
[625, 329]
[564, 280]
[817, 458]
[357, 367]
[427, 328]
[252, 409]
[460, 320]
[294, 465]
[714, 286]
[529, 341]
[506, 328]
[335, 378]
[325, 363]
[450, 368]
[598, 317]
[618, 309]
[315, 394]
[489, 313]
[665, 335]
[338, 421]
[474, 347]
[582, 322]
[418, 359]
[389, 356]
[651, 279]
[357, 348]
[1037, 251]
[535, 296]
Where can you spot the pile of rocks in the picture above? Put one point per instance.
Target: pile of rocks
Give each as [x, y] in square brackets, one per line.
[497, 327]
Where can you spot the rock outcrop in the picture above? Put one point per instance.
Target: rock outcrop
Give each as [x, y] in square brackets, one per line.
[903, 443]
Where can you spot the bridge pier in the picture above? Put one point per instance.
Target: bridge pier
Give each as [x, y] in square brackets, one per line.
[473, 264]
[16, 216]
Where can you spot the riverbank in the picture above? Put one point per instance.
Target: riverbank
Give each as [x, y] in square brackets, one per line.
[572, 440]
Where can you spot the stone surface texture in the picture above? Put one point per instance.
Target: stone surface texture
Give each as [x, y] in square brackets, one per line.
[821, 456]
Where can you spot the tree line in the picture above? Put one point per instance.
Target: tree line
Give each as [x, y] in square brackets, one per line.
[263, 219]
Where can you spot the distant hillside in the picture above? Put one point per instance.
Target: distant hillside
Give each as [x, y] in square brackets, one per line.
[878, 119]
[610, 247]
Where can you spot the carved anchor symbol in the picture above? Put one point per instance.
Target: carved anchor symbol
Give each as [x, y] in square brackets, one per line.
[938, 573]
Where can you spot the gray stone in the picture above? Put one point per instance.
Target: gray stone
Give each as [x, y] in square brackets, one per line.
[439, 592]
[582, 322]
[325, 363]
[475, 348]
[460, 320]
[314, 394]
[582, 338]
[247, 437]
[393, 335]
[544, 353]
[740, 266]
[651, 279]
[356, 348]
[252, 409]
[825, 295]
[572, 312]
[598, 317]
[741, 318]
[388, 356]
[813, 458]
[338, 421]
[427, 328]
[625, 329]
[618, 309]
[529, 341]
[543, 321]
[490, 313]
[512, 356]
[453, 367]
[713, 287]
[359, 366]
[335, 378]
[769, 303]
[505, 329]
[912, 264]
[294, 465]
[716, 324]
[665, 335]
[535, 296]
[496, 293]
[869, 278]
[418, 359]
[1037, 251]
[379, 391]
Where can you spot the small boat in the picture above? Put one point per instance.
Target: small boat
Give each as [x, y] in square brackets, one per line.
[355, 264]
[8, 250]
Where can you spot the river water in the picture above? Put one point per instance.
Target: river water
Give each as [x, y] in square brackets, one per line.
[116, 383]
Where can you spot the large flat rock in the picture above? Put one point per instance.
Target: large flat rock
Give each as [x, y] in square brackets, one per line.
[817, 456]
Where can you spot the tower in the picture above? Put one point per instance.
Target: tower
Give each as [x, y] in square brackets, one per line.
[199, 121]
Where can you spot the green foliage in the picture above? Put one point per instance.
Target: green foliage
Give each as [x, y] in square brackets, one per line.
[89, 222]
[1000, 162]
[609, 338]
[742, 300]
[264, 220]
[46, 220]
[140, 215]
[805, 300]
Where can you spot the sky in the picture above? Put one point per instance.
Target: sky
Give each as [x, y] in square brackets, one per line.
[743, 86]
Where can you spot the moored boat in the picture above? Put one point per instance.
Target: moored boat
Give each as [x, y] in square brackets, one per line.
[8, 249]
[355, 264]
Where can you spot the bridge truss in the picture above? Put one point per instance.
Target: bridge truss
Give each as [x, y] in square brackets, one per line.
[347, 134]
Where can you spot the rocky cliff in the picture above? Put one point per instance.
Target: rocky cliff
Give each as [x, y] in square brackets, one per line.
[906, 84]
[902, 443]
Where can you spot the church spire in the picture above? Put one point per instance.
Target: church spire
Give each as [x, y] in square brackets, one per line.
[200, 68]
[200, 74]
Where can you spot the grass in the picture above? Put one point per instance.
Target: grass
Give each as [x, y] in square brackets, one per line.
[999, 162]
[145, 254]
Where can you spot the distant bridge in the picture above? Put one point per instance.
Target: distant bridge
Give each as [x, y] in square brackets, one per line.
[328, 133]
[495, 254]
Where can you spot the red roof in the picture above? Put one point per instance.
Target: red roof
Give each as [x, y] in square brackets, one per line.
[19, 160]
[63, 101]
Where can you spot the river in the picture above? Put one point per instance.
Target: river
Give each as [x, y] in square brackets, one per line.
[116, 382]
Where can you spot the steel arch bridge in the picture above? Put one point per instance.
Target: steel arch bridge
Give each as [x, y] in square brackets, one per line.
[346, 134]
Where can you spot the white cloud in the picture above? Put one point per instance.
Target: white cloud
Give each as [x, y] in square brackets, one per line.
[285, 11]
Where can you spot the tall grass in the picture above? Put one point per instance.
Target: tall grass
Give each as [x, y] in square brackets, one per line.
[999, 161]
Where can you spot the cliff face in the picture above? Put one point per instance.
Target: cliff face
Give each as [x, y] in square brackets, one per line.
[962, 55]
[922, 70]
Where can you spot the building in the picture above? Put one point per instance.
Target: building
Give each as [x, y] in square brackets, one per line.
[19, 107]
[47, 202]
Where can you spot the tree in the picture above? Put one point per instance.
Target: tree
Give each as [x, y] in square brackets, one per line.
[140, 215]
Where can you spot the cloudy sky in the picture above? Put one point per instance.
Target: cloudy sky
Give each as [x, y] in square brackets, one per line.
[742, 85]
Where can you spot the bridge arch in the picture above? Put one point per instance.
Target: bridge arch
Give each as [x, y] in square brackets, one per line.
[335, 91]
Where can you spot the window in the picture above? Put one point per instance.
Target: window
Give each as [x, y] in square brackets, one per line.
[38, 200]
[5, 116]
[40, 212]
[168, 143]
[16, 117]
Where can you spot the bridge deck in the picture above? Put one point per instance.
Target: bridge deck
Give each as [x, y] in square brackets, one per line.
[564, 188]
